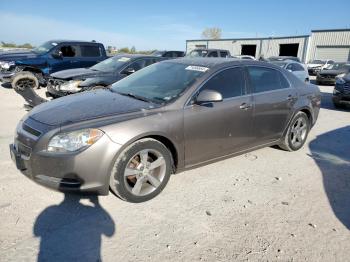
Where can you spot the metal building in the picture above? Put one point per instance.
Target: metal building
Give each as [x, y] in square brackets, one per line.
[329, 44]
[321, 44]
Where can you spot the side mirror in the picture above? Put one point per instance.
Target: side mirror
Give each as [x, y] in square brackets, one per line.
[57, 55]
[129, 71]
[208, 96]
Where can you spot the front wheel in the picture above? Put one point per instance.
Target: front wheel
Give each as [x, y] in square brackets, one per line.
[141, 171]
[297, 132]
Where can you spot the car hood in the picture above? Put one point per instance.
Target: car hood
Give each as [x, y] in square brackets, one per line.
[80, 73]
[86, 106]
[14, 56]
[314, 65]
[332, 72]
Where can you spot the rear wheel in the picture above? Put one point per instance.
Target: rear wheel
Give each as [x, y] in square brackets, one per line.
[141, 171]
[297, 133]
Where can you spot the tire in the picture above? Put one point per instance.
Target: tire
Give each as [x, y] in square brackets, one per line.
[297, 133]
[338, 105]
[23, 80]
[131, 181]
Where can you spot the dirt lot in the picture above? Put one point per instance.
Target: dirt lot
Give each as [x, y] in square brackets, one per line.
[268, 205]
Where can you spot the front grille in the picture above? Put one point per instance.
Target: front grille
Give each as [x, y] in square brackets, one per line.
[327, 76]
[23, 149]
[346, 88]
[31, 130]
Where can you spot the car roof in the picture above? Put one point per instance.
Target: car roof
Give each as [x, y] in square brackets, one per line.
[132, 56]
[218, 62]
[58, 41]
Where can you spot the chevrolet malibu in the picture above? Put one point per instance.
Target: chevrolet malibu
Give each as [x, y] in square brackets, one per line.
[163, 119]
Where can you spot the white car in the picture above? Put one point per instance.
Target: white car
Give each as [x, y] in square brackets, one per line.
[298, 69]
[249, 57]
[316, 66]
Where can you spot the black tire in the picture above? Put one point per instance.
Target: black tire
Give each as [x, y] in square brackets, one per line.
[120, 184]
[23, 80]
[287, 141]
[338, 105]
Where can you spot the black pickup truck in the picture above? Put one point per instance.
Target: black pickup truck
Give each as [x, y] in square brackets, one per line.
[31, 68]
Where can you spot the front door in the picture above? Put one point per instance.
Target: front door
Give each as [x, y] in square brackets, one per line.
[217, 129]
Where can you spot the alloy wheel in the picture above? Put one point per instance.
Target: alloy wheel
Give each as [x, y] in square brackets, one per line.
[298, 132]
[144, 172]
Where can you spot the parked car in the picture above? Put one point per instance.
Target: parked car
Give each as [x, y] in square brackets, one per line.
[249, 57]
[316, 66]
[296, 68]
[103, 74]
[168, 117]
[283, 58]
[209, 53]
[30, 68]
[341, 92]
[169, 54]
[327, 76]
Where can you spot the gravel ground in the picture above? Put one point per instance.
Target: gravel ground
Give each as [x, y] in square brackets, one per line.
[268, 205]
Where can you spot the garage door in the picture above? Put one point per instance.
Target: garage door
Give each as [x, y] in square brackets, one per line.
[338, 54]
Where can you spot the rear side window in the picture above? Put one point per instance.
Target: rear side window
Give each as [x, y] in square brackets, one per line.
[223, 54]
[168, 54]
[230, 83]
[213, 54]
[90, 51]
[265, 79]
[297, 67]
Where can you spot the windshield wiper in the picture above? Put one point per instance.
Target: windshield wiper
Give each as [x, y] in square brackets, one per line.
[135, 96]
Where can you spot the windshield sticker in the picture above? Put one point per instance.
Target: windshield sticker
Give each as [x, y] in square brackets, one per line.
[124, 59]
[197, 68]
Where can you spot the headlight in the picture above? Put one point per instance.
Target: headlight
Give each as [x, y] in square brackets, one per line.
[71, 86]
[73, 141]
[6, 64]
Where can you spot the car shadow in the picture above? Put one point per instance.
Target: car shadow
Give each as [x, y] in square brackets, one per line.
[72, 231]
[6, 85]
[331, 153]
[327, 103]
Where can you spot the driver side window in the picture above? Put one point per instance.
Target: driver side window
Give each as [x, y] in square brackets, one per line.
[68, 51]
[229, 83]
[137, 65]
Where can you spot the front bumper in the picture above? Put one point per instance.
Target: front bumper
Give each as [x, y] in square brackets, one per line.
[6, 77]
[325, 80]
[87, 171]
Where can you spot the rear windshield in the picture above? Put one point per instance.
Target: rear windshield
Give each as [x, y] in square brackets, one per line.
[111, 64]
[198, 53]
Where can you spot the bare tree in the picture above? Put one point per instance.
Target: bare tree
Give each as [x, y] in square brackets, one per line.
[212, 33]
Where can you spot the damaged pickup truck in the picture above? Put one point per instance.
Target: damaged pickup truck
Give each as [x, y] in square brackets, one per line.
[30, 68]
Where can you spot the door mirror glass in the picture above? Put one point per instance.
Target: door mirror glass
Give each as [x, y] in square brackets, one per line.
[129, 71]
[208, 96]
[57, 55]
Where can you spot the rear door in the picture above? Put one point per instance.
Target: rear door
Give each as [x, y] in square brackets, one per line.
[89, 55]
[216, 129]
[273, 99]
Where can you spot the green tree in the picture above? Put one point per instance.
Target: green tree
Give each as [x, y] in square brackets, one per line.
[124, 50]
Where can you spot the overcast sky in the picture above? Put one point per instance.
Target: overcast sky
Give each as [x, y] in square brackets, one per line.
[164, 24]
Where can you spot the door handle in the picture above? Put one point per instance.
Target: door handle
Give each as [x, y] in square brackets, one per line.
[245, 106]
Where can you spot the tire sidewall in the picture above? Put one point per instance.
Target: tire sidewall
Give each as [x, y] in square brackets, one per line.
[288, 137]
[24, 75]
[117, 184]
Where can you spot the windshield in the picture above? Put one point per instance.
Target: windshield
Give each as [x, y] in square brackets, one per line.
[158, 53]
[198, 53]
[111, 64]
[340, 66]
[159, 83]
[318, 62]
[44, 48]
